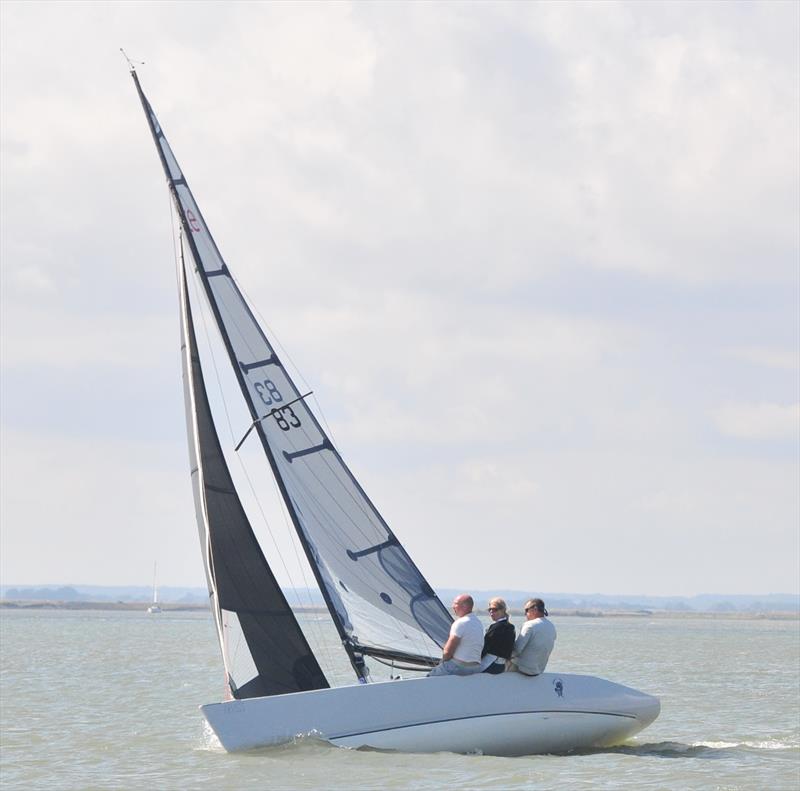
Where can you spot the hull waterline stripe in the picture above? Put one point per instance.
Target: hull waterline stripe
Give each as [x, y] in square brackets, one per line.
[477, 717]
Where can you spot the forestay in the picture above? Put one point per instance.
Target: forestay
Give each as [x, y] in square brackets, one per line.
[380, 602]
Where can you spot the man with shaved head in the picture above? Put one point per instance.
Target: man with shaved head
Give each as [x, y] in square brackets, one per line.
[461, 655]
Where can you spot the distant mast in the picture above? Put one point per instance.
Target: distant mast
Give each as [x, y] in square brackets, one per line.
[154, 607]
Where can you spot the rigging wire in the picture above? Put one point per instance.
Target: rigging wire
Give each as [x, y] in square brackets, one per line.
[356, 496]
[393, 665]
[177, 248]
[314, 628]
[293, 539]
[367, 510]
[132, 63]
[273, 336]
[231, 652]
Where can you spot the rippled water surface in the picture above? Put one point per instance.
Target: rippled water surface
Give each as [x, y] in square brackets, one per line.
[108, 700]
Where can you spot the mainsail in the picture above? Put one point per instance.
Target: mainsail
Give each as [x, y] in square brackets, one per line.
[380, 602]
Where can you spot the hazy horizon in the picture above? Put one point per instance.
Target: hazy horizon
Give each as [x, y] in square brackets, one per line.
[144, 586]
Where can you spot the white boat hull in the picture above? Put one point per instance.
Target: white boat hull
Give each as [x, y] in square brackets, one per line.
[509, 714]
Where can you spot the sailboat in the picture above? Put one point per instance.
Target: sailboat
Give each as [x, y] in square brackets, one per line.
[155, 607]
[381, 605]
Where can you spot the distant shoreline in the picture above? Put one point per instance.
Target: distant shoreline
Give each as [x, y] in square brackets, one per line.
[32, 604]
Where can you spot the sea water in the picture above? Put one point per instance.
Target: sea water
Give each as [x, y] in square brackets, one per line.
[108, 700]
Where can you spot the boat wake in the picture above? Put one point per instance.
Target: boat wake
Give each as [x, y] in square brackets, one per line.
[767, 744]
[710, 750]
[703, 750]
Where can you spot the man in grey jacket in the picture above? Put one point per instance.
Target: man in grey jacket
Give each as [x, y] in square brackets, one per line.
[535, 640]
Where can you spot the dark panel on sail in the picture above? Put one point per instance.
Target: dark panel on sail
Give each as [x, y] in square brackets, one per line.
[240, 575]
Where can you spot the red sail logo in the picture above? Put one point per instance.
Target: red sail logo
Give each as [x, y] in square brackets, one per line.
[193, 221]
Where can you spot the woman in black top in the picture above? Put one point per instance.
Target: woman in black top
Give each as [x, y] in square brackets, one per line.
[499, 640]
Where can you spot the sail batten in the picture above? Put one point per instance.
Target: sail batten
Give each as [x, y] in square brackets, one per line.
[379, 600]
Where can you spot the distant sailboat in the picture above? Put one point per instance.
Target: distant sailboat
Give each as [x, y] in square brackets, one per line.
[154, 607]
[382, 607]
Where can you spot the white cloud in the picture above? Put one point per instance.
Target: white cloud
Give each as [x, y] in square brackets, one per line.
[33, 279]
[80, 510]
[759, 421]
[784, 359]
[600, 520]
[43, 338]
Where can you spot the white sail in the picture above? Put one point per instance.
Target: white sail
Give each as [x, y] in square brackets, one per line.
[155, 607]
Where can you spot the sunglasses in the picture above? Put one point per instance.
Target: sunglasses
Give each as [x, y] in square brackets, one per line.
[494, 609]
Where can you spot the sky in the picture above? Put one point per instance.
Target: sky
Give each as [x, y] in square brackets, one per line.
[539, 262]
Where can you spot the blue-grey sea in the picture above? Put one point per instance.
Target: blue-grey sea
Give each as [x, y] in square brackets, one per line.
[108, 700]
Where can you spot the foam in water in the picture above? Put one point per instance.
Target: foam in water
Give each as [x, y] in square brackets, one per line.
[769, 744]
[209, 740]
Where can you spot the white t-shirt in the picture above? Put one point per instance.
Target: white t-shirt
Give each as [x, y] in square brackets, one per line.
[469, 629]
